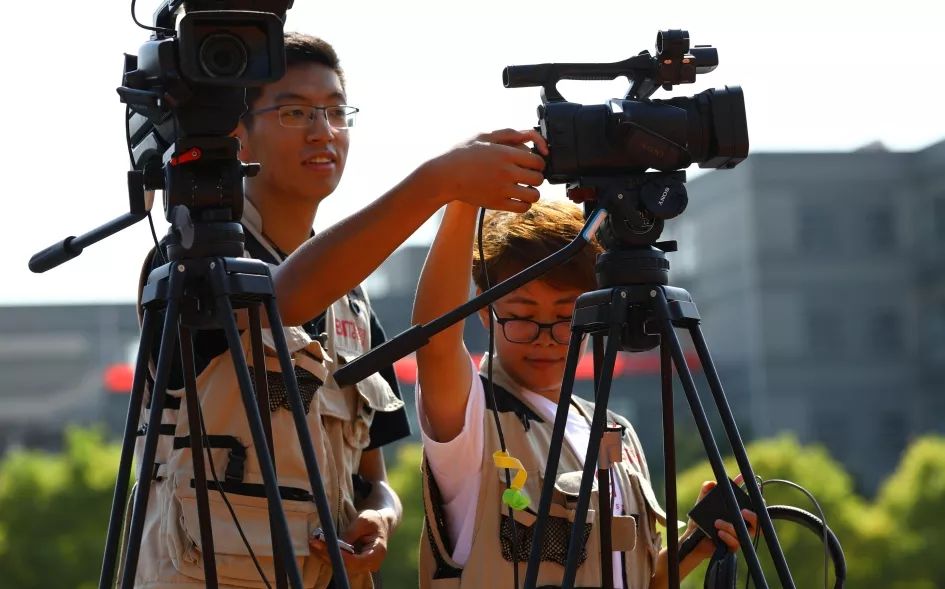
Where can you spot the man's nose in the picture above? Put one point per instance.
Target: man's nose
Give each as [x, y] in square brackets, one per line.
[320, 130]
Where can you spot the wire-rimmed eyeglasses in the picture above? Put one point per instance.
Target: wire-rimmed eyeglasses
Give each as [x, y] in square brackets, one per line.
[339, 116]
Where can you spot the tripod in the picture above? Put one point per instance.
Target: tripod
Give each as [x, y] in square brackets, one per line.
[634, 299]
[199, 289]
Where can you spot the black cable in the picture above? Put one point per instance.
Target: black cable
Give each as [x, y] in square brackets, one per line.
[219, 488]
[157, 246]
[491, 392]
[131, 157]
[820, 511]
[163, 30]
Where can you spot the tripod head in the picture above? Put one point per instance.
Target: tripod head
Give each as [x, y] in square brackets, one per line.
[185, 93]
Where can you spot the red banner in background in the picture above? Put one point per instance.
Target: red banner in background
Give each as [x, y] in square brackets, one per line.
[626, 364]
[118, 378]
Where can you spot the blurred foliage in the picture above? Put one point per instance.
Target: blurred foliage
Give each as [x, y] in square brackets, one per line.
[400, 567]
[887, 543]
[54, 510]
[914, 498]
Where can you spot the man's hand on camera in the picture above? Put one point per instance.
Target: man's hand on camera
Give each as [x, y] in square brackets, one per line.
[368, 533]
[495, 170]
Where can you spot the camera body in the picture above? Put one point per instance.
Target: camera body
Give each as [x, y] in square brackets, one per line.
[185, 92]
[603, 151]
[625, 135]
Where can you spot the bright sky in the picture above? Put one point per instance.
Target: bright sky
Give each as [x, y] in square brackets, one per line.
[827, 75]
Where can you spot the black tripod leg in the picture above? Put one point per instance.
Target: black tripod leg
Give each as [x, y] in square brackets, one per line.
[225, 317]
[262, 401]
[669, 463]
[597, 342]
[166, 352]
[741, 457]
[605, 509]
[554, 455]
[605, 461]
[705, 432]
[120, 496]
[197, 456]
[590, 463]
[340, 576]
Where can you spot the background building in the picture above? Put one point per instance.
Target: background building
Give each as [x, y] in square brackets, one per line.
[820, 281]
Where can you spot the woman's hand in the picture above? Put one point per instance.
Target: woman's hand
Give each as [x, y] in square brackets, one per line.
[725, 529]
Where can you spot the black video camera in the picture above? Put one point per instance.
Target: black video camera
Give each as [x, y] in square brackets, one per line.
[603, 150]
[185, 92]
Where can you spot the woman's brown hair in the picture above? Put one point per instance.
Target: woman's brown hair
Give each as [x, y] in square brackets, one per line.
[511, 242]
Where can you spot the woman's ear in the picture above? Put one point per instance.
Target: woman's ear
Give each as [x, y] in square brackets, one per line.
[483, 312]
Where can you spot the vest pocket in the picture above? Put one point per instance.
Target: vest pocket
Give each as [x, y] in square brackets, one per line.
[558, 527]
[233, 562]
[355, 407]
[653, 513]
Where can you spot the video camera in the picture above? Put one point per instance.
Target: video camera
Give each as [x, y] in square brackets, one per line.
[185, 92]
[602, 151]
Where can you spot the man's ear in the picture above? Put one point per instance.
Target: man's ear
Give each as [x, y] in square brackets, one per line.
[242, 133]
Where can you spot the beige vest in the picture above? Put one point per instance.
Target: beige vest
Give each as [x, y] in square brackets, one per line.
[528, 438]
[339, 421]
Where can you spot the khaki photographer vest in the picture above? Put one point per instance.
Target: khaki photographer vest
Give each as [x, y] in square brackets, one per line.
[528, 438]
[339, 421]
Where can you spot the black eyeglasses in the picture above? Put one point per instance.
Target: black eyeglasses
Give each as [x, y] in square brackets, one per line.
[525, 331]
[340, 116]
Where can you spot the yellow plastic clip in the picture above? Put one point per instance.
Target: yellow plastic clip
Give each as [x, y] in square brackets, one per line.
[514, 496]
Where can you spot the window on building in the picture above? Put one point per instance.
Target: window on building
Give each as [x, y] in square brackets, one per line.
[938, 217]
[885, 330]
[816, 229]
[824, 331]
[934, 330]
[880, 229]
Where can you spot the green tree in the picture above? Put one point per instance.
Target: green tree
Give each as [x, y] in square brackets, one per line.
[54, 512]
[914, 498]
[847, 514]
[402, 563]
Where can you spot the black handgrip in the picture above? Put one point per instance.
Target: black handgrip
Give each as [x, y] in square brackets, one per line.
[381, 356]
[54, 255]
[542, 74]
[690, 543]
[523, 76]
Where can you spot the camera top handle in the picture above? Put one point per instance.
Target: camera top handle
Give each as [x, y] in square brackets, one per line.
[675, 62]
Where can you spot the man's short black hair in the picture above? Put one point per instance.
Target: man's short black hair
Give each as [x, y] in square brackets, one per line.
[302, 49]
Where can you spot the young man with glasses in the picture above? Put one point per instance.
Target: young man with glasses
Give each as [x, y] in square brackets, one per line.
[298, 129]
[468, 536]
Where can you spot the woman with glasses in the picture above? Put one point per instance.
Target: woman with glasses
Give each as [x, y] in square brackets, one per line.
[470, 502]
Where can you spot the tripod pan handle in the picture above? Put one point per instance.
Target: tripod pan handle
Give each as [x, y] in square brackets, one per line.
[54, 255]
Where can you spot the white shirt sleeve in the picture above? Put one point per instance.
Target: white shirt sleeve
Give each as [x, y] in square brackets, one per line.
[456, 465]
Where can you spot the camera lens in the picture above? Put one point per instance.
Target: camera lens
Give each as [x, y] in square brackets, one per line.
[223, 55]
